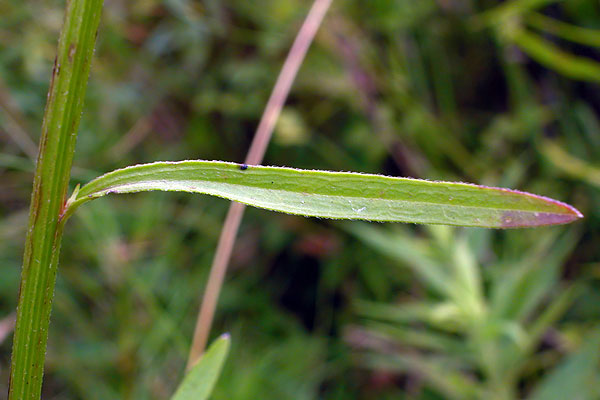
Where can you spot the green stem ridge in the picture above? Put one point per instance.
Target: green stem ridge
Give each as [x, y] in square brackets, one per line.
[57, 145]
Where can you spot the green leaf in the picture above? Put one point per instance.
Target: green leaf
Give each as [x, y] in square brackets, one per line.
[338, 195]
[200, 381]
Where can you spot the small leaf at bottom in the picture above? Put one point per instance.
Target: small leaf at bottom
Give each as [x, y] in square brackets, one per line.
[200, 381]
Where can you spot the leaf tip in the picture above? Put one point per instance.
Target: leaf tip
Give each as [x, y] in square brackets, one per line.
[567, 215]
[225, 336]
[551, 212]
[518, 219]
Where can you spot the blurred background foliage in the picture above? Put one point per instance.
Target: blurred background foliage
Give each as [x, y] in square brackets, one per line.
[494, 92]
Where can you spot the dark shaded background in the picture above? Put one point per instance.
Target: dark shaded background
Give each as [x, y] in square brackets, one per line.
[318, 309]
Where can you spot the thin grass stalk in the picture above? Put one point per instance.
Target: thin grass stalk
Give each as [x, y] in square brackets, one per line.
[50, 184]
[255, 156]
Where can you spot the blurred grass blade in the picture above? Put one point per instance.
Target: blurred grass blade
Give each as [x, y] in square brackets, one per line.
[468, 289]
[554, 58]
[452, 383]
[510, 9]
[576, 377]
[522, 289]
[200, 381]
[571, 165]
[513, 356]
[429, 340]
[407, 249]
[400, 313]
[338, 195]
[576, 34]
[556, 308]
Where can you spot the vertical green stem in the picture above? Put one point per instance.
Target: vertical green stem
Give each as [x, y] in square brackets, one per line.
[57, 144]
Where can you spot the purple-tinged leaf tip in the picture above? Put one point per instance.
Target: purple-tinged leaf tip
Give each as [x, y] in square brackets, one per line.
[519, 219]
[562, 214]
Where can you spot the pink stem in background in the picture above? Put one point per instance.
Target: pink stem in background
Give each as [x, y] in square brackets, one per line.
[7, 325]
[255, 156]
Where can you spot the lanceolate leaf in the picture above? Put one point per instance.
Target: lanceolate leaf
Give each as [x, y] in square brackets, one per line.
[339, 195]
[200, 381]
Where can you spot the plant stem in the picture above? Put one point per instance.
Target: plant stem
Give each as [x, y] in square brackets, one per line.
[50, 184]
[255, 156]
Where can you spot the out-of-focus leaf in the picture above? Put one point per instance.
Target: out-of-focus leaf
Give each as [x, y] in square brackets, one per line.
[522, 289]
[406, 249]
[512, 356]
[199, 382]
[339, 195]
[424, 339]
[468, 291]
[449, 381]
[585, 36]
[292, 367]
[511, 9]
[576, 377]
[557, 307]
[554, 58]
[423, 312]
[570, 165]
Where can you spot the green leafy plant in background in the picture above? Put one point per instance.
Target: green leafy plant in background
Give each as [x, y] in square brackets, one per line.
[462, 330]
[510, 21]
[311, 193]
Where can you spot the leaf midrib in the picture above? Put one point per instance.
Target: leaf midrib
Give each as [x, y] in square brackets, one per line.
[107, 190]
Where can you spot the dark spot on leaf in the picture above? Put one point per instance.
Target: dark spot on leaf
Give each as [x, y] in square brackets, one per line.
[244, 167]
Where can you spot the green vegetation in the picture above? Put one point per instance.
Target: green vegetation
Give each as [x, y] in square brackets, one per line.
[445, 91]
[200, 381]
